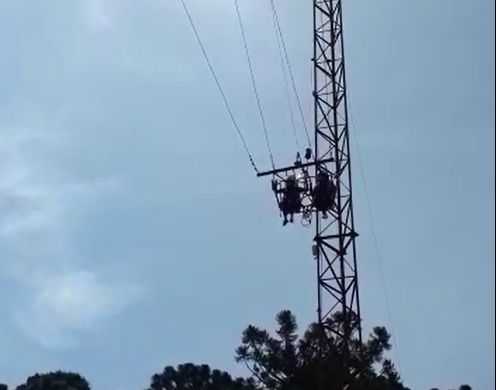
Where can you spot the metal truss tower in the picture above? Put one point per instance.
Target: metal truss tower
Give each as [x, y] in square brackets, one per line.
[334, 241]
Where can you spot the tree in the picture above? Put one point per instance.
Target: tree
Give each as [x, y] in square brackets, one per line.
[55, 381]
[3, 387]
[462, 387]
[287, 362]
[197, 377]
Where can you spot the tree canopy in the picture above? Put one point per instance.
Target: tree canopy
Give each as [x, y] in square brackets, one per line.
[279, 360]
[55, 381]
[285, 361]
[198, 377]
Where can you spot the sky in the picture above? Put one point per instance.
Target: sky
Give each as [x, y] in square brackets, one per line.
[134, 234]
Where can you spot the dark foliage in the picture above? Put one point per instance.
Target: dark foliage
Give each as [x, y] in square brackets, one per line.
[193, 377]
[462, 387]
[289, 362]
[55, 381]
[280, 361]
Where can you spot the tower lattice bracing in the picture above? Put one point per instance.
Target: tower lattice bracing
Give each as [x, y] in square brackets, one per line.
[335, 237]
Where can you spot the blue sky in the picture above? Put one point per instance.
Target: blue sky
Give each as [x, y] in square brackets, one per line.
[135, 235]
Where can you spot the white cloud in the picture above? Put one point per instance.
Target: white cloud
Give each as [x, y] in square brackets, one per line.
[62, 300]
[65, 304]
[30, 200]
[23, 202]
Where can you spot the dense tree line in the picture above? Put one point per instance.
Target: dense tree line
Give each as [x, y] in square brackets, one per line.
[53, 381]
[282, 360]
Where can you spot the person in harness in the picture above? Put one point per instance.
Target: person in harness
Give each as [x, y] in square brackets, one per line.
[290, 199]
[324, 193]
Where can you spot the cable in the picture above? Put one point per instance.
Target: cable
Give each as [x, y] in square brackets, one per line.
[281, 35]
[286, 84]
[312, 88]
[253, 80]
[218, 84]
[376, 243]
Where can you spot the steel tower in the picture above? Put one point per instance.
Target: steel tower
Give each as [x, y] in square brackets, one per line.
[334, 246]
[335, 241]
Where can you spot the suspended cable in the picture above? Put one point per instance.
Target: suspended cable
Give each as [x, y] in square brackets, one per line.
[218, 84]
[286, 85]
[376, 243]
[289, 66]
[312, 88]
[254, 85]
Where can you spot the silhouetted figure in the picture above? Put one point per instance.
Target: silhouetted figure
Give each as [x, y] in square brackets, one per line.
[308, 154]
[324, 193]
[290, 199]
[298, 161]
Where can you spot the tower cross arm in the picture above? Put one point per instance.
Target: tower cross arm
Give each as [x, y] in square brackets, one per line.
[295, 166]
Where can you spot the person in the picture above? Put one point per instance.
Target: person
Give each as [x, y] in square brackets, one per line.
[290, 201]
[324, 193]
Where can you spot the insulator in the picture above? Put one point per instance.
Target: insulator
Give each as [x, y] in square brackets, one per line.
[314, 250]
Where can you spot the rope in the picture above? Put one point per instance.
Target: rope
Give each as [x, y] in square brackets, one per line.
[376, 243]
[218, 84]
[253, 80]
[282, 40]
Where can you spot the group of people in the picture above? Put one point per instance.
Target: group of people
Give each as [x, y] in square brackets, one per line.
[290, 199]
